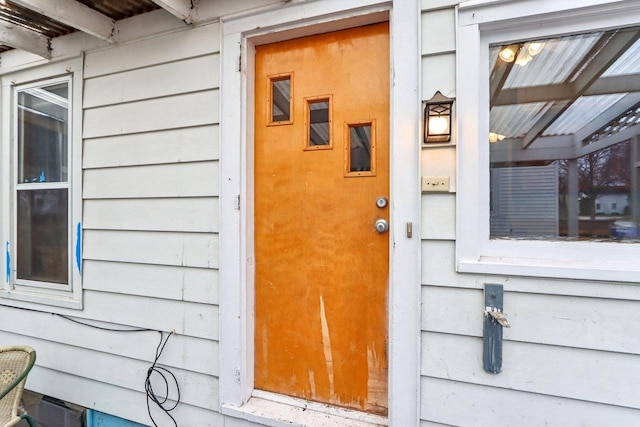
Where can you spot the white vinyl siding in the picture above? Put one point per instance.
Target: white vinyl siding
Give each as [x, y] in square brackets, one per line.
[151, 198]
[525, 201]
[150, 173]
[569, 356]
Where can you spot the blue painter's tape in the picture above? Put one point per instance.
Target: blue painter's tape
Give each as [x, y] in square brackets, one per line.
[8, 264]
[79, 248]
[42, 177]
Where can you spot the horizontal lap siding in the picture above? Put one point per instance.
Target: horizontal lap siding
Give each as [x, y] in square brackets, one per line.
[197, 214]
[177, 283]
[462, 404]
[123, 401]
[183, 352]
[570, 357]
[150, 244]
[596, 376]
[156, 147]
[198, 389]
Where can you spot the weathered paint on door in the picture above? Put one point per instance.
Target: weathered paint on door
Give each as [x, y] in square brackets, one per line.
[322, 269]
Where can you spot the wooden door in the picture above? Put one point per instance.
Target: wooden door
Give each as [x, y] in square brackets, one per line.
[321, 266]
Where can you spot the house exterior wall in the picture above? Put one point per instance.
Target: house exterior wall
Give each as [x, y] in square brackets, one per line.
[151, 126]
[150, 220]
[569, 356]
[612, 204]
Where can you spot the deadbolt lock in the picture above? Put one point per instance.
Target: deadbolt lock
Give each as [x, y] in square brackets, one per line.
[381, 202]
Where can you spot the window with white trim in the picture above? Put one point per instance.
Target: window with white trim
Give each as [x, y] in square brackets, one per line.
[41, 186]
[549, 142]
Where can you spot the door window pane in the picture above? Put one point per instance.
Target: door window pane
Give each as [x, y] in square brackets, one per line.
[281, 99]
[43, 122]
[360, 148]
[42, 229]
[319, 123]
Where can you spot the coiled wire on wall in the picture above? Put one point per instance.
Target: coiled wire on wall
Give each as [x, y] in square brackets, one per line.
[163, 403]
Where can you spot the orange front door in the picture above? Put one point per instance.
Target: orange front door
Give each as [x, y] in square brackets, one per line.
[321, 166]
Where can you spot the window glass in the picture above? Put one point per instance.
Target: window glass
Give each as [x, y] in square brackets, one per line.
[319, 122]
[281, 99]
[360, 148]
[42, 253]
[42, 187]
[43, 121]
[563, 137]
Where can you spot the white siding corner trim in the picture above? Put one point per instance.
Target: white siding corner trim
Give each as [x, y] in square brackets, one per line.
[239, 35]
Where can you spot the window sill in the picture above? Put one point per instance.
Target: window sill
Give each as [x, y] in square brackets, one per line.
[42, 298]
[276, 410]
[611, 272]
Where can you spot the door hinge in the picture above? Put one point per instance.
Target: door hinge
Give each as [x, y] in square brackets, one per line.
[237, 203]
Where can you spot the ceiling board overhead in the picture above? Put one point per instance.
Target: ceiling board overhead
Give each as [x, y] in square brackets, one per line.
[31, 24]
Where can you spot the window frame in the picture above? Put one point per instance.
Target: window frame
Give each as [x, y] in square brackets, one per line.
[13, 290]
[481, 24]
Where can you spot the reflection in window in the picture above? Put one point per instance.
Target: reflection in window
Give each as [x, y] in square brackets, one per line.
[43, 231]
[318, 122]
[360, 148]
[42, 134]
[562, 134]
[42, 183]
[281, 99]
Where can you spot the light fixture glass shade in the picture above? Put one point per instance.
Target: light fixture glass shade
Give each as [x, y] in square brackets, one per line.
[437, 119]
[508, 53]
[438, 125]
[524, 58]
[535, 48]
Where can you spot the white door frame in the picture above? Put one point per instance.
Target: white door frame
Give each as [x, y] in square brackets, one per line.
[239, 36]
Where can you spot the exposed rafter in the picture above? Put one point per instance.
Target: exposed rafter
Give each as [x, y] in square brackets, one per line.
[562, 91]
[27, 40]
[606, 117]
[608, 52]
[74, 14]
[609, 141]
[182, 9]
[549, 149]
[499, 75]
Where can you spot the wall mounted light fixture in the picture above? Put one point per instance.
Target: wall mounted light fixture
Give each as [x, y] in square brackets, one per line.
[437, 118]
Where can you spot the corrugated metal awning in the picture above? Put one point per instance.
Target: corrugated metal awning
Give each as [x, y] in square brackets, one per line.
[31, 24]
[561, 86]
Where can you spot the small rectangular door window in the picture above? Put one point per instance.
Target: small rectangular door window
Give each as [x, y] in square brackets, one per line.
[318, 123]
[360, 150]
[281, 99]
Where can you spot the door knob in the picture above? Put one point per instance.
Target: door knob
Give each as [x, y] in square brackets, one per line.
[381, 202]
[382, 225]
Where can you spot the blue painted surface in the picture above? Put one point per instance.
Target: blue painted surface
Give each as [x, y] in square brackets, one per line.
[492, 330]
[100, 419]
[79, 247]
[8, 260]
[42, 177]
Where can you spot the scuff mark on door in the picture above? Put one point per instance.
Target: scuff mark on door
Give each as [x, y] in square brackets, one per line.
[326, 342]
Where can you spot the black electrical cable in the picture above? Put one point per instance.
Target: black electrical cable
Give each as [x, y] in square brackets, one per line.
[103, 328]
[162, 403]
[82, 323]
[159, 370]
